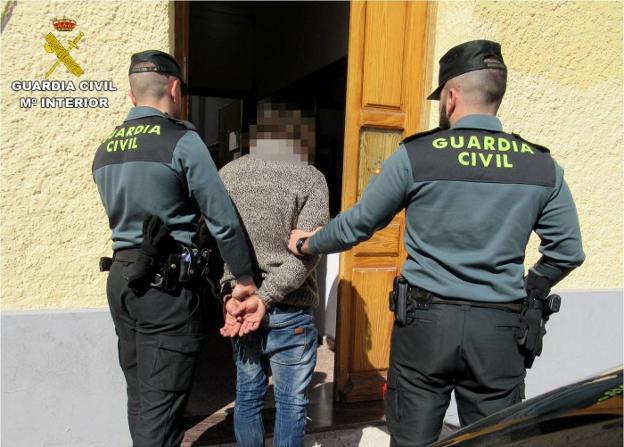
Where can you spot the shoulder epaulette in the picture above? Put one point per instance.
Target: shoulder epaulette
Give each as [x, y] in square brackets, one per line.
[420, 134]
[184, 123]
[537, 146]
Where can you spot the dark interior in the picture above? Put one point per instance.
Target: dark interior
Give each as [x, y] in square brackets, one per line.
[242, 53]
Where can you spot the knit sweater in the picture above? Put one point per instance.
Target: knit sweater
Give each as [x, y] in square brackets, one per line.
[272, 198]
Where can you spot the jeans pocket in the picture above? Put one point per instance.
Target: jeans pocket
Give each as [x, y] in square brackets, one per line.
[174, 362]
[284, 319]
[391, 400]
[288, 346]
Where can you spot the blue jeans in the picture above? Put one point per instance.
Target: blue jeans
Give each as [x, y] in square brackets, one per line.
[285, 343]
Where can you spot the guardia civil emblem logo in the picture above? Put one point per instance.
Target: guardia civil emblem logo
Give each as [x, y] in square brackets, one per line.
[54, 45]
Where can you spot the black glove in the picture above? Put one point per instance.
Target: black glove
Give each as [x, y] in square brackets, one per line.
[156, 240]
[531, 332]
[536, 286]
[156, 236]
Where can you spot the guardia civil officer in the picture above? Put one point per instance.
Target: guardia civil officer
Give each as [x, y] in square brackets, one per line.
[472, 193]
[155, 176]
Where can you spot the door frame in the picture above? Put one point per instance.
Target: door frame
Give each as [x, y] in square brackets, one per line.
[181, 27]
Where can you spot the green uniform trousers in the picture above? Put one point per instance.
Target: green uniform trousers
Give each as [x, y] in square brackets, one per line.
[468, 349]
[159, 339]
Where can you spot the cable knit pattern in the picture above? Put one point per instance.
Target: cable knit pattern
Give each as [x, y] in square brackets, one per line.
[272, 198]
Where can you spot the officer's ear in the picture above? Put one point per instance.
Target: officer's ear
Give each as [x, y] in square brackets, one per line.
[132, 97]
[451, 101]
[175, 90]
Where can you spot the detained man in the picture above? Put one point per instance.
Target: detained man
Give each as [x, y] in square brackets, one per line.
[275, 189]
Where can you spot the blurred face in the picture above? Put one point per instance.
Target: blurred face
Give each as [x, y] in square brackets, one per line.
[282, 135]
[280, 149]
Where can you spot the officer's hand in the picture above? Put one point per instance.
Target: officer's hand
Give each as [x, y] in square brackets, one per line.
[530, 332]
[243, 289]
[253, 315]
[155, 235]
[297, 234]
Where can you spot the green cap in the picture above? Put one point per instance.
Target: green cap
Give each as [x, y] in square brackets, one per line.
[163, 63]
[469, 56]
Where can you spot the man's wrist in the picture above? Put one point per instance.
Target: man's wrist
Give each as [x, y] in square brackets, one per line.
[246, 280]
[266, 299]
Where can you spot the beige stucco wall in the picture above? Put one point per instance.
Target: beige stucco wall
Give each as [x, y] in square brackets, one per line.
[53, 225]
[564, 91]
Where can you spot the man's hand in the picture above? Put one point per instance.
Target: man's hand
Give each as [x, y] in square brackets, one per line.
[231, 316]
[297, 234]
[243, 288]
[253, 314]
[231, 327]
[242, 316]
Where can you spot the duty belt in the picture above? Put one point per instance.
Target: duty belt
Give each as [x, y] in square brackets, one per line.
[184, 267]
[122, 255]
[406, 299]
[127, 255]
[423, 299]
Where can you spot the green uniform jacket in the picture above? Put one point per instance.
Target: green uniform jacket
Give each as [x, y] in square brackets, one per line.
[472, 195]
[154, 164]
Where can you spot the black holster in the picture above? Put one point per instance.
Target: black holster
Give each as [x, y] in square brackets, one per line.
[404, 300]
[398, 299]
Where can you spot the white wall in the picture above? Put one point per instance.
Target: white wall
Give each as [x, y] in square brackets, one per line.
[325, 314]
[62, 385]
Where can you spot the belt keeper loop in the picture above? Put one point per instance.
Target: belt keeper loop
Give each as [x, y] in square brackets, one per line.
[105, 264]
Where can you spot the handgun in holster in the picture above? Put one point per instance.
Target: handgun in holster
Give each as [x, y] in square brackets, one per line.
[398, 299]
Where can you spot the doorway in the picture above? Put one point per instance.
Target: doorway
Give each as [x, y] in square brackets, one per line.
[281, 52]
[241, 54]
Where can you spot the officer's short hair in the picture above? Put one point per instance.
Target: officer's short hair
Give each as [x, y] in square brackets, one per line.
[494, 85]
[486, 86]
[149, 84]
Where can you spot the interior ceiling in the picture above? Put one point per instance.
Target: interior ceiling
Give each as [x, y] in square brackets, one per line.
[259, 47]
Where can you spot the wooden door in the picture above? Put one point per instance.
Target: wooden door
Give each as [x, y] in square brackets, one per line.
[181, 44]
[385, 102]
